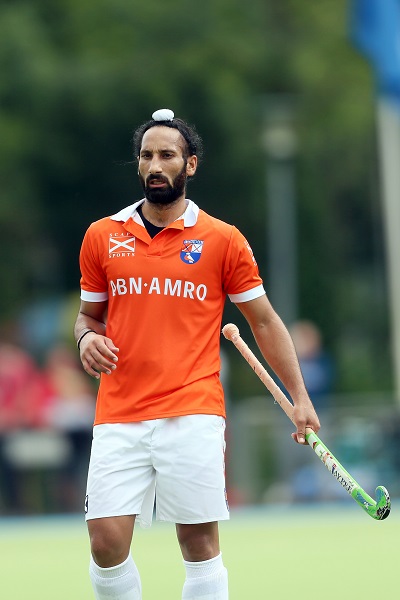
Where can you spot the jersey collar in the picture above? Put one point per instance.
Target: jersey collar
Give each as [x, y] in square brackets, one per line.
[190, 215]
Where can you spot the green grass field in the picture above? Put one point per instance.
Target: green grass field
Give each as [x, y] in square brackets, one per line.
[333, 552]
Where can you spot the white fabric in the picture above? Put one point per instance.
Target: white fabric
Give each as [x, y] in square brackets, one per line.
[247, 296]
[121, 582]
[94, 296]
[163, 114]
[179, 460]
[190, 215]
[206, 580]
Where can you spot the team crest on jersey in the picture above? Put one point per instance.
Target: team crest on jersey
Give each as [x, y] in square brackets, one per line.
[191, 251]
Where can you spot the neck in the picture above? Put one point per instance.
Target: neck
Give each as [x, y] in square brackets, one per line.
[162, 215]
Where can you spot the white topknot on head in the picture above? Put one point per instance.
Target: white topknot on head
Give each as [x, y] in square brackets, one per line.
[163, 114]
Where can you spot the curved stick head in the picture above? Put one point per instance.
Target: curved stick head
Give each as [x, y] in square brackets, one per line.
[378, 509]
[230, 331]
[382, 503]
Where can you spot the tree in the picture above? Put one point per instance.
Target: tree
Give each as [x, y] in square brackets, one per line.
[78, 76]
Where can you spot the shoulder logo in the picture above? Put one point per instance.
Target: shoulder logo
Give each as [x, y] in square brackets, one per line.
[246, 243]
[120, 244]
[191, 251]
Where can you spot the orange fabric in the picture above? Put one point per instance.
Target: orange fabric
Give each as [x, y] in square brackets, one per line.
[165, 302]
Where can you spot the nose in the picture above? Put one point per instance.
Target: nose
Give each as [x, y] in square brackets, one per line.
[155, 166]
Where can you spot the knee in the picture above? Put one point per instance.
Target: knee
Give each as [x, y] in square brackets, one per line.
[198, 543]
[109, 546]
[106, 550]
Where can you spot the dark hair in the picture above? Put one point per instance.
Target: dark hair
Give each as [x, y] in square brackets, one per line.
[194, 144]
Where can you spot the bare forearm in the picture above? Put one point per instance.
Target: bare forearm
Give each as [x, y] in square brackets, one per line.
[98, 353]
[91, 315]
[85, 322]
[276, 345]
[278, 350]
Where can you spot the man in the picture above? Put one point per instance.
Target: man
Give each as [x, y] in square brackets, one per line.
[154, 280]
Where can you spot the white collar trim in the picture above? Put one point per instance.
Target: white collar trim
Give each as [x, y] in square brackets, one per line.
[190, 215]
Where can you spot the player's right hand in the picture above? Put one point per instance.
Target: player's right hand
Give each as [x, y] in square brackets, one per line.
[98, 354]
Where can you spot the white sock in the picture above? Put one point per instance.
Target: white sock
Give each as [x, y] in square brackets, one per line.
[206, 580]
[121, 582]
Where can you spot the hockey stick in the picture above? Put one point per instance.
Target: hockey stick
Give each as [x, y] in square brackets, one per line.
[378, 509]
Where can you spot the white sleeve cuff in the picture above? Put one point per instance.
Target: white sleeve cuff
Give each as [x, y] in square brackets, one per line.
[249, 295]
[94, 296]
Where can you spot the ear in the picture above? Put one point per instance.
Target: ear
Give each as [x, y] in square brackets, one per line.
[191, 165]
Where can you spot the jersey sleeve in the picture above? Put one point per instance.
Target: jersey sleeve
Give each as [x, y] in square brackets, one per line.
[93, 279]
[242, 281]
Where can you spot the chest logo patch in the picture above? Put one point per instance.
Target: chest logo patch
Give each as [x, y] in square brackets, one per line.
[121, 245]
[191, 251]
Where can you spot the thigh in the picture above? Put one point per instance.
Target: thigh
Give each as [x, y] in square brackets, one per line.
[120, 470]
[190, 470]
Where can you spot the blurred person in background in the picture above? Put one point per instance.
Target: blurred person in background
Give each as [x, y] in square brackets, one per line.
[315, 362]
[155, 277]
[317, 367]
[70, 411]
[22, 406]
[38, 406]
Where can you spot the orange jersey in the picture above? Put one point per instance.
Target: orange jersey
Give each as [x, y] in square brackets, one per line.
[165, 302]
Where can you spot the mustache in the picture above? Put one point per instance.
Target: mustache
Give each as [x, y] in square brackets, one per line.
[158, 178]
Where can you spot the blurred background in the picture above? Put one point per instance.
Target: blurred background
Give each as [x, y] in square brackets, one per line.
[298, 104]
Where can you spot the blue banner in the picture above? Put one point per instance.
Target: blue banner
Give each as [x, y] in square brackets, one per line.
[375, 30]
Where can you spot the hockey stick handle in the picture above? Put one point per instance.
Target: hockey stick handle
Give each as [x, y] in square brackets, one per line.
[231, 333]
[377, 510]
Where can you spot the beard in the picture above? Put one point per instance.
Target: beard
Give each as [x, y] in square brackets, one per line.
[167, 195]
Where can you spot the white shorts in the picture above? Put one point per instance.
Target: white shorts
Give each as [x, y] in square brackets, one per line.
[178, 461]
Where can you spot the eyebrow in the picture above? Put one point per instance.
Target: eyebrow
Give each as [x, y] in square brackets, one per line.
[160, 150]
